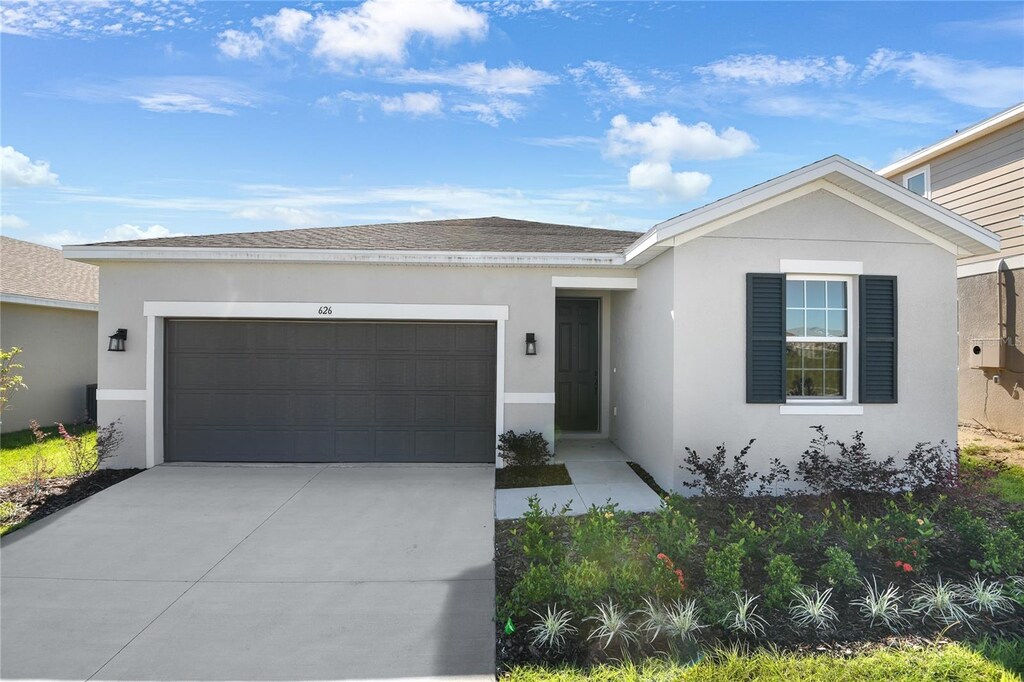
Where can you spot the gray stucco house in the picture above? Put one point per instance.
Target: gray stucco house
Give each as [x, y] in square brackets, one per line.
[824, 296]
[48, 308]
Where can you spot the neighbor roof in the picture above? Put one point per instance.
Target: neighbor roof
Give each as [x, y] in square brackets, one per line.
[960, 138]
[493, 234]
[39, 275]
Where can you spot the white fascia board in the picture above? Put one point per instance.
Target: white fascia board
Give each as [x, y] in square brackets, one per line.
[593, 282]
[989, 125]
[48, 302]
[312, 310]
[91, 254]
[990, 266]
[773, 192]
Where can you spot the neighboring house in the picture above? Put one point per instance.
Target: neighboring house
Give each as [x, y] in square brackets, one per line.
[48, 309]
[979, 173]
[824, 296]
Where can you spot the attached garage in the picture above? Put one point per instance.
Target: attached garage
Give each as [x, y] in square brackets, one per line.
[329, 391]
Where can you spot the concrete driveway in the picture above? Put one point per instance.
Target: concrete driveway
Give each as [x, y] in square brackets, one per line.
[258, 573]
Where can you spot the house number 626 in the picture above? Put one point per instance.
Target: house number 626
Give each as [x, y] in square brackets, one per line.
[325, 310]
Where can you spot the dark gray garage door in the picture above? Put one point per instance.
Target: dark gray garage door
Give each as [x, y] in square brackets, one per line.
[289, 391]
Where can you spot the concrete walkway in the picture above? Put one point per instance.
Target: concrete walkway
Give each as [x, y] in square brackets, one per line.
[258, 573]
[599, 473]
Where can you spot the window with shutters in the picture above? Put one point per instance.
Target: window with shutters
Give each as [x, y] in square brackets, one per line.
[818, 338]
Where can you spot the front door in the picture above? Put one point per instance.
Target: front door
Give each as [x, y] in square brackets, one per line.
[577, 389]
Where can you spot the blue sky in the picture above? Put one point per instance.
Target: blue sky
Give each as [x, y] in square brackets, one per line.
[131, 119]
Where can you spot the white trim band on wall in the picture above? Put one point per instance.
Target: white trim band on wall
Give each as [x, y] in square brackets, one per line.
[19, 299]
[593, 282]
[529, 398]
[325, 310]
[821, 409]
[121, 394]
[822, 267]
[989, 266]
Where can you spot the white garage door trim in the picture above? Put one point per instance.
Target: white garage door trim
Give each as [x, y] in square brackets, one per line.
[156, 311]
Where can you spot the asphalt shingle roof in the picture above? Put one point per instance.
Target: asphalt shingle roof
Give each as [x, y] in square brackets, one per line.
[492, 234]
[28, 269]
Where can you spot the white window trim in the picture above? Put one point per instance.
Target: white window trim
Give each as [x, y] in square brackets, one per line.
[926, 170]
[828, 405]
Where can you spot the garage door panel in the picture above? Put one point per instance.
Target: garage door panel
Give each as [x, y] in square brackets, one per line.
[258, 390]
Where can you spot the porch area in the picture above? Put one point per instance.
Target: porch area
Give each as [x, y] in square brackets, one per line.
[599, 473]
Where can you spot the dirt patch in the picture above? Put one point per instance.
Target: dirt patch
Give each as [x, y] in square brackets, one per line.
[978, 442]
[56, 493]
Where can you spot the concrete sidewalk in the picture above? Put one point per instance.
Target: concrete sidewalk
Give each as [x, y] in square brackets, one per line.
[258, 573]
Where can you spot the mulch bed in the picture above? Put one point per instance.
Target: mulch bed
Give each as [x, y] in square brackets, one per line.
[531, 476]
[648, 479]
[851, 634]
[56, 493]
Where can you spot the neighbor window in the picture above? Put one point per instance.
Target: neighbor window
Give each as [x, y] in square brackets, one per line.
[919, 182]
[817, 336]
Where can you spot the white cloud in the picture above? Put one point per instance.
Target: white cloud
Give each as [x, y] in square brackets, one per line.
[514, 79]
[769, 69]
[88, 19]
[413, 103]
[664, 138]
[240, 45]
[18, 169]
[127, 231]
[379, 30]
[58, 239]
[287, 215]
[493, 111]
[9, 221]
[609, 80]
[960, 81]
[565, 141]
[658, 176]
[288, 25]
[176, 102]
[114, 29]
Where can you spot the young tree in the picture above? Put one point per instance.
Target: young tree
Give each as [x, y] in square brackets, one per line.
[9, 380]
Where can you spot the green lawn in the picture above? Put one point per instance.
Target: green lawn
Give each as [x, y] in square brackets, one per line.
[950, 663]
[1007, 484]
[16, 450]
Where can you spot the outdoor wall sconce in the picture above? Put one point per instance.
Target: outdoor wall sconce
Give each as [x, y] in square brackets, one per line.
[531, 343]
[117, 340]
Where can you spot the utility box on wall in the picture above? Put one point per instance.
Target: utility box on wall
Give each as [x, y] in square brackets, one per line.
[988, 353]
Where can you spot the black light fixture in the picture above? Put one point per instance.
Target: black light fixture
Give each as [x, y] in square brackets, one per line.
[531, 343]
[117, 340]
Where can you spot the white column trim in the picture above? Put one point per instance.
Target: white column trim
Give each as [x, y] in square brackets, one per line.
[122, 394]
[529, 398]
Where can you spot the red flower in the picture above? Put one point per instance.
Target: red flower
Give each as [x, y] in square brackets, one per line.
[662, 557]
[901, 539]
[908, 568]
[899, 564]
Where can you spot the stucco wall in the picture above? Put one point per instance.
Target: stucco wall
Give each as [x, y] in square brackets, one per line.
[642, 420]
[125, 286]
[1000, 405]
[59, 358]
[710, 316]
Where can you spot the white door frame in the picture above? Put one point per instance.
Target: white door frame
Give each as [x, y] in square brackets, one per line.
[157, 311]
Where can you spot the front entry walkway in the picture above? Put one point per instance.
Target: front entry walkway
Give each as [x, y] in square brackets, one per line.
[599, 473]
[258, 573]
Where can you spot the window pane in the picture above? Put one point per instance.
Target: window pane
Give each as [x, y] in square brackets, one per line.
[815, 294]
[795, 322]
[915, 183]
[837, 323]
[794, 385]
[815, 323]
[833, 383]
[836, 294]
[833, 355]
[795, 294]
[794, 356]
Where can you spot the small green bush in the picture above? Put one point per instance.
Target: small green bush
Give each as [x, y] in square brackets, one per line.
[523, 449]
[1003, 552]
[672, 533]
[784, 576]
[722, 575]
[536, 535]
[744, 529]
[540, 584]
[972, 529]
[839, 572]
[8, 511]
[599, 536]
[788, 533]
[586, 583]
[862, 535]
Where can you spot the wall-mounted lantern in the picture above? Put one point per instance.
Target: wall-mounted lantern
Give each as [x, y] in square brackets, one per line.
[117, 340]
[531, 343]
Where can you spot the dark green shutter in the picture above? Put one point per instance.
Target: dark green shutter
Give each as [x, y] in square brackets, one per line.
[878, 332]
[766, 338]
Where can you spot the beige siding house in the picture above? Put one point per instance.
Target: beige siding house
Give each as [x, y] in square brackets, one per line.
[979, 173]
[824, 296]
[48, 308]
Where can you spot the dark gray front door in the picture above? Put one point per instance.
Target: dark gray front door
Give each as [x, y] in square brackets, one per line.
[577, 390]
[286, 391]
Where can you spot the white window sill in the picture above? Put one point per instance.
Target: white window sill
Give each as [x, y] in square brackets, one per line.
[806, 409]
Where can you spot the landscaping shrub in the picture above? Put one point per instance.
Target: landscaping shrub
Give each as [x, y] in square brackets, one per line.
[860, 532]
[714, 478]
[672, 533]
[540, 584]
[586, 582]
[783, 578]
[536, 535]
[853, 468]
[1003, 552]
[745, 530]
[972, 529]
[722, 567]
[839, 572]
[523, 449]
[787, 531]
